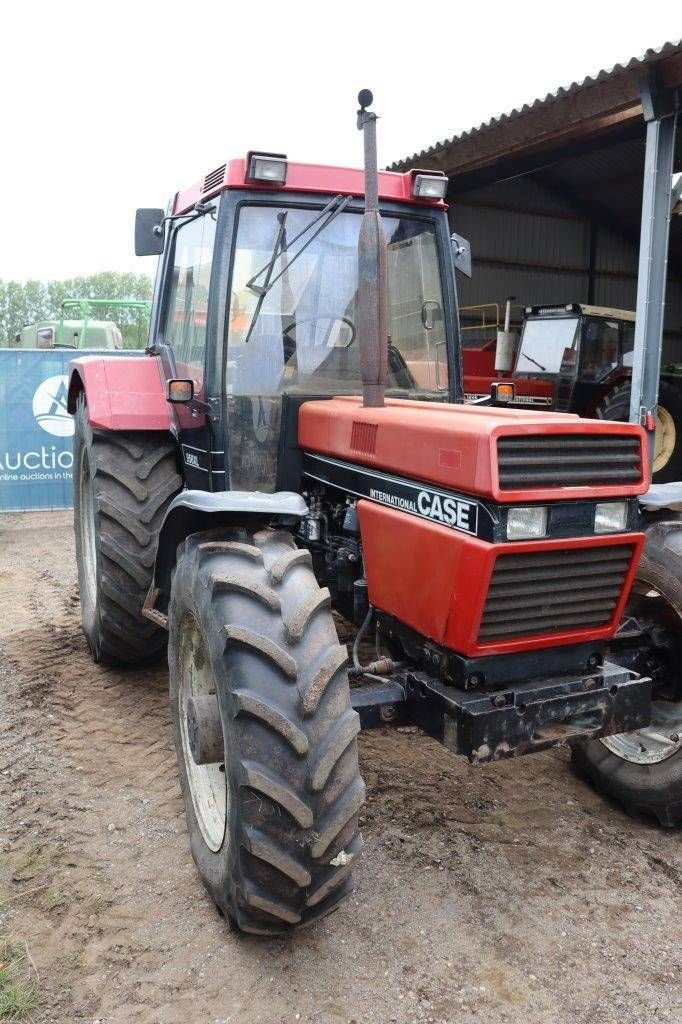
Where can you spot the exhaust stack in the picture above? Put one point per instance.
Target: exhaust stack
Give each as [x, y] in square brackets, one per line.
[372, 270]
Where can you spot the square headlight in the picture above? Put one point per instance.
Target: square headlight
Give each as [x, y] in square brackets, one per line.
[527, 523]
[429, 186]
[267, 167]
[610, 516]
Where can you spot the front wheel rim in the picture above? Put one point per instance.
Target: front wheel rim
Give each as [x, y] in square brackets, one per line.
[207, 783]
[654, 744]
[87, 524]
[665, 438]
[662, 738]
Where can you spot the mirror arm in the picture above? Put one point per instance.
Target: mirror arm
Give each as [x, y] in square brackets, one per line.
[198, 210]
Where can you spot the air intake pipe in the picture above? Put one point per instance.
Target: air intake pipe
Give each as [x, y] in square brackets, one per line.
[372, 270]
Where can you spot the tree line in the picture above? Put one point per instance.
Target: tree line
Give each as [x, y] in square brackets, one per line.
[33, 301]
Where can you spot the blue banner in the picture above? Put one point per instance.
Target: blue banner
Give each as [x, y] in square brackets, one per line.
[36, 431]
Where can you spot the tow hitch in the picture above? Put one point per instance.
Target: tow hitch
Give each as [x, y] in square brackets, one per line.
[487, 725]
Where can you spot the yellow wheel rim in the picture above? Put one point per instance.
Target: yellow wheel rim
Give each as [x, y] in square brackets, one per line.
[664, 439]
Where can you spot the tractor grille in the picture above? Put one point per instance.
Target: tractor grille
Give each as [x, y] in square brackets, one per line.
[568, 460]
[547, 591]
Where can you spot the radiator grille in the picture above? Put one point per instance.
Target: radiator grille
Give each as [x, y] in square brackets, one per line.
[547, 591]
[568, 460]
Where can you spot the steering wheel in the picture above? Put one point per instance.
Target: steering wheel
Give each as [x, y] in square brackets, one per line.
[333, 317]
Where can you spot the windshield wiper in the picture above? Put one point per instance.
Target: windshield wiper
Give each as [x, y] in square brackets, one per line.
[324, 218]
[531, 360]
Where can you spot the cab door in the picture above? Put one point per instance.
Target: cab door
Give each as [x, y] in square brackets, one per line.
[182, 342]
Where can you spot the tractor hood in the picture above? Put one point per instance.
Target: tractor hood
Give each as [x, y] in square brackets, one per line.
[506, 454]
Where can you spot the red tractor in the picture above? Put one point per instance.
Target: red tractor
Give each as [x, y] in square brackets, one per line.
[273, 458]
[573, 358]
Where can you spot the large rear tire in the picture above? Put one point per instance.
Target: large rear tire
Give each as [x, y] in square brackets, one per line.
[668, 438]
[274, 827]
[643, 769]
[123, 483]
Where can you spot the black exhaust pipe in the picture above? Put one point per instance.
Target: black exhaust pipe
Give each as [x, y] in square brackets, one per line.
[372, 270]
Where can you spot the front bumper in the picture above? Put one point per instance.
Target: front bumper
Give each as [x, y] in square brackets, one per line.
[486, 725]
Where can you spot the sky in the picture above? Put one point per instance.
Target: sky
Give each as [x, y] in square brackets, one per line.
[109, 107]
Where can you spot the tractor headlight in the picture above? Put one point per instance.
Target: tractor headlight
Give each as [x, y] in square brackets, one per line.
[429, 186]
[267, 167]
[610, 516]
[527, 523]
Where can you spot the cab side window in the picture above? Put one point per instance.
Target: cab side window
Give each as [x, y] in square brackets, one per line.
[600, 348]
[187, 308]
[628, 344]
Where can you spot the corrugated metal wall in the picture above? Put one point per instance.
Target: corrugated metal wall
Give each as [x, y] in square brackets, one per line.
[528, 243]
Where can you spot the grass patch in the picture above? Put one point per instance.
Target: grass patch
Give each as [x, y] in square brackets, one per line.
[35, 862]
[18, 992]
[74, 961]
[51, 899]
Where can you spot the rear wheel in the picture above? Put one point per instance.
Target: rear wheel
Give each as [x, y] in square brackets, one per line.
[123, 484]
[668, 437]
[643, 769]
[272, 812]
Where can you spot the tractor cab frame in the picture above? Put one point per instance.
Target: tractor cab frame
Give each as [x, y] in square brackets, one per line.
[246, 343]
[583, 351]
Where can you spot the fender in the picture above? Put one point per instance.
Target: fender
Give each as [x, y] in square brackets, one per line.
[193, 511]
[123, 393]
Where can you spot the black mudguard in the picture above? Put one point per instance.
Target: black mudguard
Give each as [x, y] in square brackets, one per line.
[195, 511]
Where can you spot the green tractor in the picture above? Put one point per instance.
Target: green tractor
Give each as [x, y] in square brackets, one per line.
[82, 332]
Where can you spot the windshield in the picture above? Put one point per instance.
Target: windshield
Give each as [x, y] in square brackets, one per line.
[292, 319]
[548, 346]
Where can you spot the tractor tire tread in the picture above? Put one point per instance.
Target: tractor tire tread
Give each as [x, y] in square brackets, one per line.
[291, 757]
[134, 476]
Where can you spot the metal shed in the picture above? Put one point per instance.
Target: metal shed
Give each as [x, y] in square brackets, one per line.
[550, 195]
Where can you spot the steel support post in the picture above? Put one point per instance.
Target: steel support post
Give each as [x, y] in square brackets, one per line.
[660, 114]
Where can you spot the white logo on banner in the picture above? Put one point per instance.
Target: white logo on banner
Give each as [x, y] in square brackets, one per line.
[49, 407]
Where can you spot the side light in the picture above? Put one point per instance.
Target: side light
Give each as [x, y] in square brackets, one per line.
[527, 523]
[502, 392]
[180, 390]
[610, 516]
[267, 167]
[429, 186]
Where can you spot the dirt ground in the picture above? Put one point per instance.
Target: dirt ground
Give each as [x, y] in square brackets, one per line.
[504, 893]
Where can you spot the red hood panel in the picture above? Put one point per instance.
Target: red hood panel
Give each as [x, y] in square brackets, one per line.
[453, 446]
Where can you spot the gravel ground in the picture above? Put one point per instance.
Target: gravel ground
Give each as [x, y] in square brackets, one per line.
[509, 892]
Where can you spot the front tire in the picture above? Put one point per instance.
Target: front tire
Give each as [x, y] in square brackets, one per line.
[643, 769]
[123, 484]
[274, 828]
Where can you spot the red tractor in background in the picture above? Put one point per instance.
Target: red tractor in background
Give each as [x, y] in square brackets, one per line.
[572, 358]
[295, 442]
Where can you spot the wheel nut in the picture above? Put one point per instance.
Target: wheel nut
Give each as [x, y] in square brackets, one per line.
[675, 737]
[387, 712]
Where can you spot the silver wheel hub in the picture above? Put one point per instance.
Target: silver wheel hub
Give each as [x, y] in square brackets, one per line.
[662, 738]
[87, 523]
[207, 783]
[659, 741]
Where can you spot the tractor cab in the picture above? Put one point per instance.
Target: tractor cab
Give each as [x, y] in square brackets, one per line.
[580, 351]
[258, 305]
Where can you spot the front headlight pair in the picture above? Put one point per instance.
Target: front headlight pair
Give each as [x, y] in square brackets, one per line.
[529, 522]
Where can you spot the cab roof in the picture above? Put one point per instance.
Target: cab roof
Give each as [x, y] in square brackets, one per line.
[581, 307]
[302, 178]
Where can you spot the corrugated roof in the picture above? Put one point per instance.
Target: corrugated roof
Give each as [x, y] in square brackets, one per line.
[650, 57]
